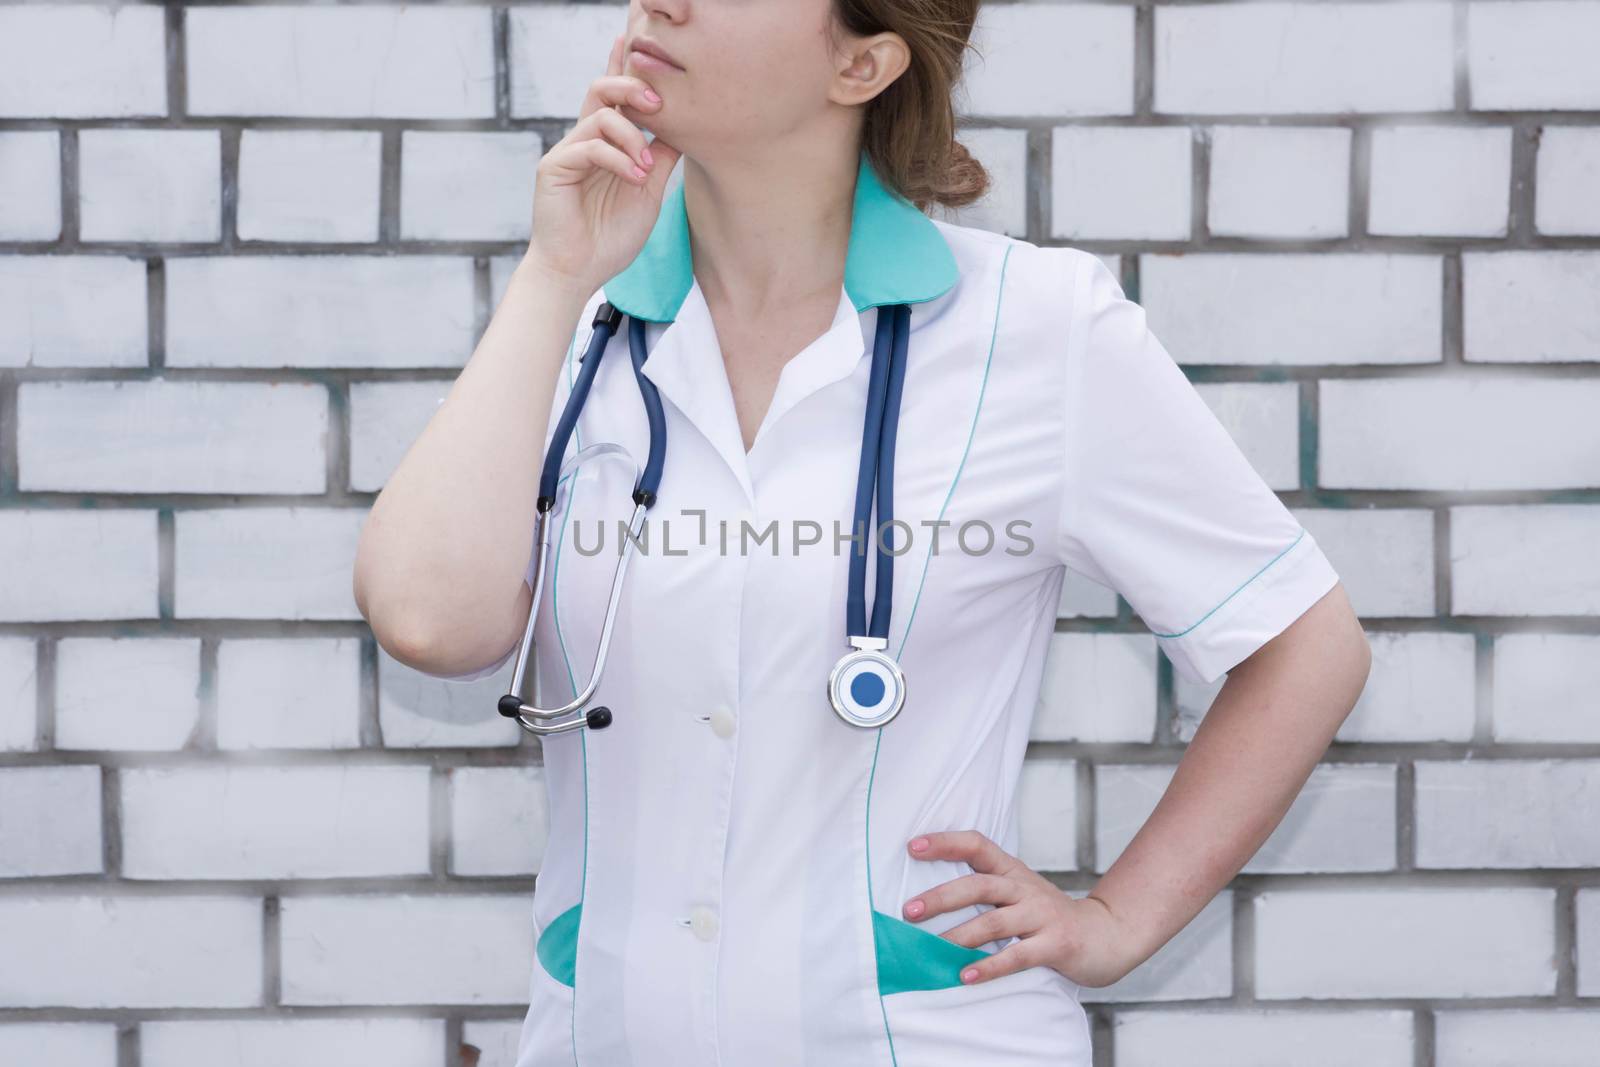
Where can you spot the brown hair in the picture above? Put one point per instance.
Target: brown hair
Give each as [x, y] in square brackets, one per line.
[910, 128]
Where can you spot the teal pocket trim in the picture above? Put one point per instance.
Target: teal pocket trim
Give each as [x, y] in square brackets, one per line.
[910, 958]
[558, 946]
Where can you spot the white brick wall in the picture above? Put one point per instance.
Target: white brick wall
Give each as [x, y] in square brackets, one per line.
[245, 249]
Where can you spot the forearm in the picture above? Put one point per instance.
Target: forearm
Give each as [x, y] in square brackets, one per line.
[446, 544]
[1260, 740]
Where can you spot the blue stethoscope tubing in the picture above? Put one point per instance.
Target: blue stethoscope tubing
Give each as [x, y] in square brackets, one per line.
[866, 686]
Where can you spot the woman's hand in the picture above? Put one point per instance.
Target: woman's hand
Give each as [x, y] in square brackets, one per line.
[1078, 936]
[592, 209]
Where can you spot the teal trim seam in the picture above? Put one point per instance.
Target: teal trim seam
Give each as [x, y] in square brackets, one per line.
[906, 636]
[1236, 592]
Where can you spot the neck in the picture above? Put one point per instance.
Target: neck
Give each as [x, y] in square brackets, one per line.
[769, 229]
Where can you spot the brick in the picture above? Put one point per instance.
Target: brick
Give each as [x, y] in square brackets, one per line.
[1047, 814]
[416, 710]
[1132, 183]
[1421, 687]
[127, 693]
[1299, 58]
[499, 820]
[391, 1042]
[555, 52]
[30, 184]
[1296, 308]
[59, 1044]
[1098, 687]
[289, 693]
[1440, 181]
[141, 436]
[19, 694]
[131, 951]
[1545, 686]
[1279, 182]
[348, 62]
[1588, 942]
[1568, 172]
[97, 564]
[1333, 944]
[1087, 48]
[150, 185]
[1263, 418]
[1533, 55]
[1478, 814]
[42, 323]
[274, 822]
[467, 185]
[1536, 559]
[82, 61]
[1551, 1037]
[458, 949]
[1343, 820]
[385, 420]
[309, 185]
[1384, 556]
[266, 563]
[1531, 307]
[1197, 964]
[1270, 1037]
[1004, 208]
[49, 821]
[496, 1041]
[1464, 433]
[320, 311]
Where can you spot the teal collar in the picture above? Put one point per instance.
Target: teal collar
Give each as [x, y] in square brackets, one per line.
[896, 255]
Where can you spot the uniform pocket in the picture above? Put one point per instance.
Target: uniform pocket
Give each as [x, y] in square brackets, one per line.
[546, 1039]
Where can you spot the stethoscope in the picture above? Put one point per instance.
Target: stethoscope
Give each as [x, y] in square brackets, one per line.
[866, 686]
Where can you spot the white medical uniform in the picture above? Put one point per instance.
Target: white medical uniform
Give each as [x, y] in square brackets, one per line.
[727, 861]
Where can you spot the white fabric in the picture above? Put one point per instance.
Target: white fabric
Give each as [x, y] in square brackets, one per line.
[1035, 393]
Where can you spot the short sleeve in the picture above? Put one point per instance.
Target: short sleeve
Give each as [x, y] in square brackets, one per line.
[1159, 503]
[569, 370]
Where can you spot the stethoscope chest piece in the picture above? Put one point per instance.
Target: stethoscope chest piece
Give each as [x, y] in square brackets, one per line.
[866, 688]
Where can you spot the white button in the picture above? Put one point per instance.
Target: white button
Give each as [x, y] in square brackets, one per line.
[704, 923]
[722, 722]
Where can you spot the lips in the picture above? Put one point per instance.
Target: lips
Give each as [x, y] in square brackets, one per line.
[649, 47]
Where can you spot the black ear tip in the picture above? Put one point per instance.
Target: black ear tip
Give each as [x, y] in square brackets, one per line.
[599, 718]
[510, 705]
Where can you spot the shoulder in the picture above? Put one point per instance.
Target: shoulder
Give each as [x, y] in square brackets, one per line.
[1048, 283]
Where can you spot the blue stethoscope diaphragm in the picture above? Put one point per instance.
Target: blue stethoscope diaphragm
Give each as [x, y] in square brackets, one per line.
[866, 686]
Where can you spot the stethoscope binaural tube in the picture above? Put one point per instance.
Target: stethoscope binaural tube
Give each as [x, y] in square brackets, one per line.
[571, 715]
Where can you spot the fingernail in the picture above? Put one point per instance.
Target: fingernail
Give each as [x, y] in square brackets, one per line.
[919, 844]
[914, 908]
[969, 974]
[649, 160]
[638, 172]
[650, 95]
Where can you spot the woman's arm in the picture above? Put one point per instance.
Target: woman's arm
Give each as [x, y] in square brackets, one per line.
[1273, 719]
[440, 561]
[1258, 743]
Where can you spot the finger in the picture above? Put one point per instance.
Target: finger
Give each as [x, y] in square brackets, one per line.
[582, 158]
[613, 126]
[976, 849]
[995, 924]
[1018, 956]
[614, 61]
[961, 892]
[615, 90]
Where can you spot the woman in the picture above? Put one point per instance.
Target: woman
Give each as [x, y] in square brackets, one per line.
[734, 874]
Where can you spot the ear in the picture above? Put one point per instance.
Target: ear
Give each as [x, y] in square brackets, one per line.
[868, 66]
